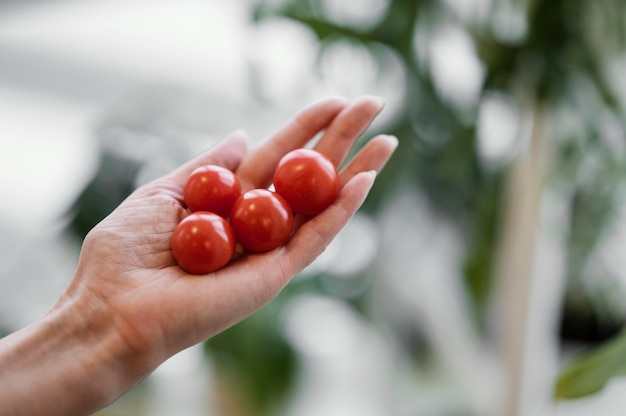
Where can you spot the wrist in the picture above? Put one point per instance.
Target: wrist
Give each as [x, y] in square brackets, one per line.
[76, 360]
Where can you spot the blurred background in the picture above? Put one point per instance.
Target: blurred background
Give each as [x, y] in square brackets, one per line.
[484, 276]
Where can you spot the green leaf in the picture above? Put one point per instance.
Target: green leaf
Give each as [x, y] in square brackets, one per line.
[591, 371]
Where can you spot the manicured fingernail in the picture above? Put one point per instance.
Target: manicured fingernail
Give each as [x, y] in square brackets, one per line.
[380, 101]
[393, 140]
[372, 177]
[241, 133]
[338, 98]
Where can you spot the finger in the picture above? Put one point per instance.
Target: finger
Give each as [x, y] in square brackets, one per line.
[347, 127]
[310, 240]
[257, 169]
[228, 153]
[373, 156]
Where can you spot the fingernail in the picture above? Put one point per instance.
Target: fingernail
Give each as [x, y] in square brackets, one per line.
[241, 133]
[393, 140]
[380, 101]
[372, 177]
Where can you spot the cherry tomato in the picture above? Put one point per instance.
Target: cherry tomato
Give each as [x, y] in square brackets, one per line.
[203, 242]
[307, 180]
[211, 188]
[262, 220]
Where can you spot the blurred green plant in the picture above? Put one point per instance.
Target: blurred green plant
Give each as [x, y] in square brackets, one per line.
[112, 183]
[557, 61]
[590, 372]
[437, 143]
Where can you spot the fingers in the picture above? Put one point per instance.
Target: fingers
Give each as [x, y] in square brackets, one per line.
[313, 236]
[373, 156]
[258, 167]
[347, 127]
[249, 283]
[228, 153]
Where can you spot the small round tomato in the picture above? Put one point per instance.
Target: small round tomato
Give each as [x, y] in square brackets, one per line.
[203, 242]
[211, 188]
[307, 180]
[262, 220]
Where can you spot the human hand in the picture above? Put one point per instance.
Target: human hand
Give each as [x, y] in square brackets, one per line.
[129, 294]
[126, 263]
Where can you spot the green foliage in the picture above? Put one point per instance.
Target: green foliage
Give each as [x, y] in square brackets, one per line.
[437, 143]
[590, 372]
[113, 182]
[557, 65]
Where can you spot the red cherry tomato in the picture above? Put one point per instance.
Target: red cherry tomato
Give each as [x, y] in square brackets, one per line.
[203, 242]
[211, 188]
[262, 220]
[307, 180]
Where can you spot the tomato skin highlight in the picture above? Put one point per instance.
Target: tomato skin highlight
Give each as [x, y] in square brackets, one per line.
[211, 188]
[261, 219]
[307, 180]
[203, 242]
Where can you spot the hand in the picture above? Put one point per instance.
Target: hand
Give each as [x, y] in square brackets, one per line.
[128, 290]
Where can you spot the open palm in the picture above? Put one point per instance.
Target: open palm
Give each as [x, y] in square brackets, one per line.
[127, 273]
